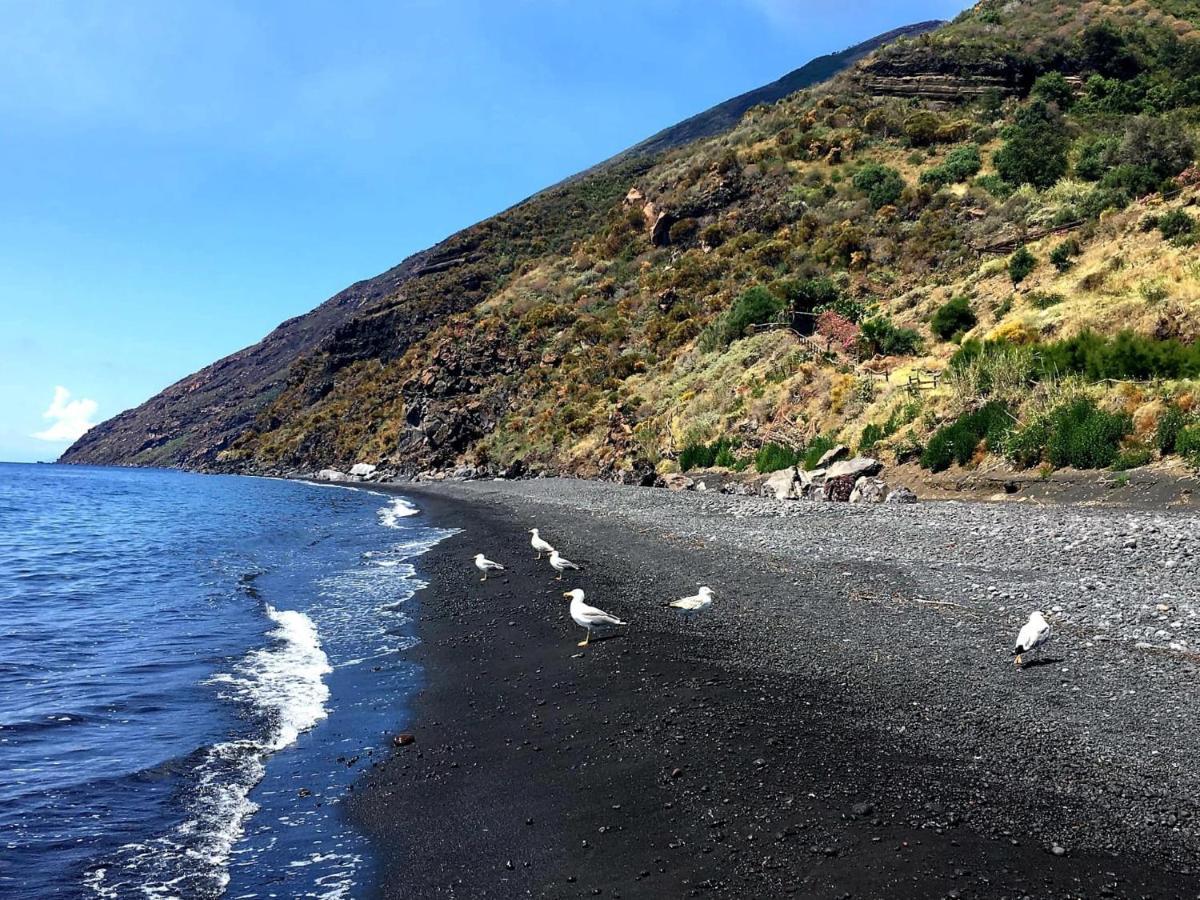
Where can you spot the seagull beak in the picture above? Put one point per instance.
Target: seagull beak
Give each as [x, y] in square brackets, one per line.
[566, 595]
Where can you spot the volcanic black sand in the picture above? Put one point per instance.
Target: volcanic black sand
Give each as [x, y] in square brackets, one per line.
[834, 728]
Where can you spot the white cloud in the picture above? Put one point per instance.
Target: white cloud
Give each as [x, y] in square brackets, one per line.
[69, 418]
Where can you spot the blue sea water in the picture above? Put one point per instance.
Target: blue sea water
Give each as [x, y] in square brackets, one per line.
[193, 671]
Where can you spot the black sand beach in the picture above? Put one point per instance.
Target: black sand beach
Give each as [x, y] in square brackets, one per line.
[845, 722]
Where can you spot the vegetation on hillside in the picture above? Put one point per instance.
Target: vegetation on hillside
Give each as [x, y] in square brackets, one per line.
[751, 296]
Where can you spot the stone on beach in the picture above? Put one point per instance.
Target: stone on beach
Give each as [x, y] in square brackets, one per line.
[362, 470]
[869, 490]
[332, 475]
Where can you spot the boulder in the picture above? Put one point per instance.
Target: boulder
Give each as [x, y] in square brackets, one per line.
[677, 481]
[857, 467]
[869, 490]
[829, 457]
[362, 470]
[332, 475]
[781, 485]
[901, 494]
[838, 488]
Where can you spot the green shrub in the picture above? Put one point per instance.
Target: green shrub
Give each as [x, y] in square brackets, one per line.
[1053, 87]
[958, 440]
[872, 434]
[754, 307]
[960, 164]
[1036, 146]
[1133, 458]
[995, 185]
[1021, 264]
[705, 456]
[953, 317]
[883, 185]
[817, 447]
[1026, 446]
[1124, 356]
[772, 457]
[1166, 433]
[881, 337]
[1175, 223]
[1062, 256]
[1187, 444]
[1084, 436]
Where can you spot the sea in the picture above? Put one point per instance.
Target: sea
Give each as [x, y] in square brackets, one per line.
[194, 669]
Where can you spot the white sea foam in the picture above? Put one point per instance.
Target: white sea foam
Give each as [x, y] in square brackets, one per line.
[283, 682]
[398, 509]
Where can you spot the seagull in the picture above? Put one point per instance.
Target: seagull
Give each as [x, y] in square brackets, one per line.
[588, 616]
[1035, 633]
[538, 544]
[485, 565]
[560, 564]
[694, 605]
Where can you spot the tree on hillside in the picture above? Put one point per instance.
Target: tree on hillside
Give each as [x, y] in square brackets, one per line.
[1036, 146]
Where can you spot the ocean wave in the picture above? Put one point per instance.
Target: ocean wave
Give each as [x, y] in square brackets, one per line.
[284, 684]
[398, 509]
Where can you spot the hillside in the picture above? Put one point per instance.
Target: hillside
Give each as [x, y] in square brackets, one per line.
[974, 244]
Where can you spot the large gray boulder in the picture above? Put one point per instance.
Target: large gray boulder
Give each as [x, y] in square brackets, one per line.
[829, 457]
[677, 481]
[857, 467]
[869, 490]
[332, 475]
[901, 494]
[781, 485]
[362, 470]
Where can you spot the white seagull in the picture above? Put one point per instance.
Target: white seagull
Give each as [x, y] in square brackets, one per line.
[485, 565]
[588, 616]
[538, 544]
[1034, 633]
[560, 564]
[694, 605]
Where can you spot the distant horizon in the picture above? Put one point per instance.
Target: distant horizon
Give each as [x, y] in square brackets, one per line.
[185, 179]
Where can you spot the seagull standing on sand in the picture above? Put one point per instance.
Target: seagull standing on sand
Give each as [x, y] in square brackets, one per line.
[485, 565]
[1034, 633]
[588, 616]
[538, 544]
[694, 605]
[560, 564]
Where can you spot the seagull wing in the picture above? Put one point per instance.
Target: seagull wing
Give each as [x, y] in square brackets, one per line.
[689, 603]
[488, 564]
[566, 563]
[597, 616]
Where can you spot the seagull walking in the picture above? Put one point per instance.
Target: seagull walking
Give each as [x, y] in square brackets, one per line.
[588, 616]
[485, 565]
[694, 605]
[561, 564]
[538, 544]
[1034, 633]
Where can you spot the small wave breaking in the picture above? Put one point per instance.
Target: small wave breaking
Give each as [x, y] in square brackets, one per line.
[399, 508]
[284, 684]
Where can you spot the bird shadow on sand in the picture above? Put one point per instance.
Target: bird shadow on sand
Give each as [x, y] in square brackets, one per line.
[1047, 661]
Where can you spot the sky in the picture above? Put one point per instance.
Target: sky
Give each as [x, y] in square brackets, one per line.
[178, 178]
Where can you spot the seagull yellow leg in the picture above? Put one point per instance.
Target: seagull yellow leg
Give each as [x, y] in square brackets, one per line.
[584, 642]
[484, 578]
[559, 578]
[1017, 661]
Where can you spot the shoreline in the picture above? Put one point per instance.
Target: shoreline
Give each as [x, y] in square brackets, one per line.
[750, 754]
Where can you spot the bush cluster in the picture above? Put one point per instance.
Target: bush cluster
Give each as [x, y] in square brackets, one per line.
[883, 185]
[817, 447]
[705, 456]
[882, 337]
[953, 318]
[772, 457]
[961, 164]
[957, 441]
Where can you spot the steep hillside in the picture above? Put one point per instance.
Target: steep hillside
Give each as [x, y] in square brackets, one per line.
[974, 244]
[192, 421]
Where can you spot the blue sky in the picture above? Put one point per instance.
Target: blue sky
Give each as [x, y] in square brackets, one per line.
[180, 177]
